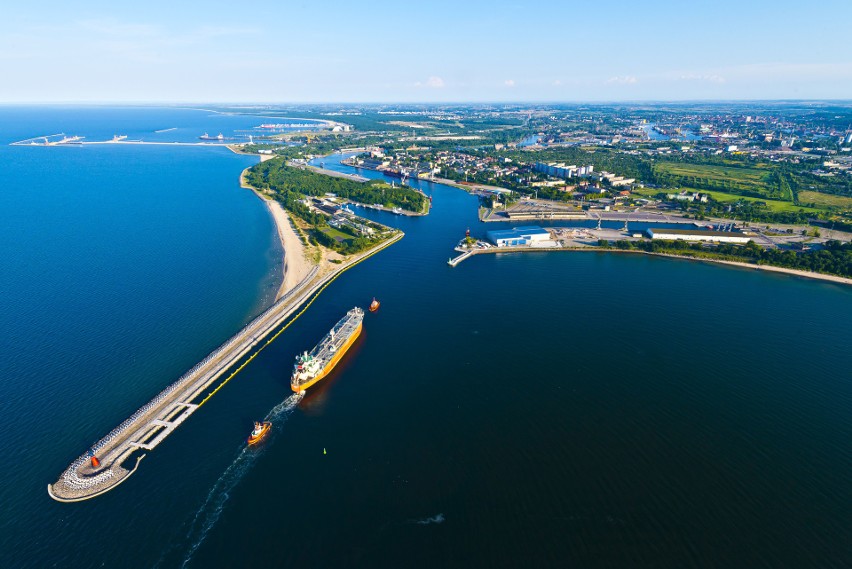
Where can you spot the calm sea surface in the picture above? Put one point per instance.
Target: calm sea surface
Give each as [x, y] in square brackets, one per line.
[545, 409]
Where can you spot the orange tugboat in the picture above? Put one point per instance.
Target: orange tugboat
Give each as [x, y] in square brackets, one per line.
[374, 305]
[260, 430]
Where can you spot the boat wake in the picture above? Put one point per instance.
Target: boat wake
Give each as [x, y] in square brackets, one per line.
[211, 510]
[439, 519]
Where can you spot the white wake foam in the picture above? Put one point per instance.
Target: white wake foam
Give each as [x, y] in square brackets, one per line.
[438, 519]
[210, 512]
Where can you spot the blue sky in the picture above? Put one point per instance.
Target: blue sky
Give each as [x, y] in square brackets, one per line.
[308, 51]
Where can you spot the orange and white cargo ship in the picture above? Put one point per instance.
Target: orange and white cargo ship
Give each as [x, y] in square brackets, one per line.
[314, 365]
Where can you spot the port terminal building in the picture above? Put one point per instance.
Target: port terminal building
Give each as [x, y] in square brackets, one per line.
[529, 235]
[698, 235]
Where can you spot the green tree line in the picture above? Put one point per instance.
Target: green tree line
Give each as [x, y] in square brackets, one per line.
[834, 259]
[288, 182]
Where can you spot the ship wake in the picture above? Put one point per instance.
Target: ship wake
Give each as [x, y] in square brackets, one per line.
[438, 519]
[214, 504]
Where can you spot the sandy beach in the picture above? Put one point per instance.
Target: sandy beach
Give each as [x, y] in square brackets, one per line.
[296, 265]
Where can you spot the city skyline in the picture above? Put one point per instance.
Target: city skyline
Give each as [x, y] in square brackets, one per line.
[440, 53]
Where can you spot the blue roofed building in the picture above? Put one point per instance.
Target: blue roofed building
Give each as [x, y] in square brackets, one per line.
[529, 235]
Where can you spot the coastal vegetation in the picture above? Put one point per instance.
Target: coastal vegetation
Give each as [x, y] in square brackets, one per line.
[293, 186]
[835, 258]
[291, 182]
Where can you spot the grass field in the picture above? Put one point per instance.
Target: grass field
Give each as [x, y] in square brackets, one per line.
[826, 200]
[738, 174]
[336, 234]
[731, 179]
[773, 205]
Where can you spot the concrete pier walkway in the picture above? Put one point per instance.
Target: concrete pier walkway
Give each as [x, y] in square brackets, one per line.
[157, 419]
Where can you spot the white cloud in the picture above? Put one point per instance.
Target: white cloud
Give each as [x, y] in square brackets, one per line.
[509, 82]
[623, 80]
[434, 82]
[557, 83]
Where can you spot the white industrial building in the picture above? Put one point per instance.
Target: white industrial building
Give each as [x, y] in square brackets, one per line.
[698, 235]
[532, 236]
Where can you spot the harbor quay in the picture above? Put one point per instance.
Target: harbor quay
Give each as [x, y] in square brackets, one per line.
[102, 468]
[548, 239]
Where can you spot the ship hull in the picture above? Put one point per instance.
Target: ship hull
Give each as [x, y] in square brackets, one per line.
[332, 363]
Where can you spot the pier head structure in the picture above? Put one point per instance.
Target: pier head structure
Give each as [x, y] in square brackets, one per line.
[110, 461]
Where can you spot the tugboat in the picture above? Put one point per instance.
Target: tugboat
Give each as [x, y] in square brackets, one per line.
[260, 430]
[374, 305]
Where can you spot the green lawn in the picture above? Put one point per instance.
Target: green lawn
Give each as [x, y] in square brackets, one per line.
[336, 234]
[828, 200]
[739, 174]
[773, 205]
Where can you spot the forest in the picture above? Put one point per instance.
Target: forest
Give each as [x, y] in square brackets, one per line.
[835, 258]
[290, 182]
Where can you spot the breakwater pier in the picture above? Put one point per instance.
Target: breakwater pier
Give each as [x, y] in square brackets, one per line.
[102, 468]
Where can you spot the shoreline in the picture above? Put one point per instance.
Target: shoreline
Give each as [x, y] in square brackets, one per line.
[771, 268]
[155, 421]
[295, 266]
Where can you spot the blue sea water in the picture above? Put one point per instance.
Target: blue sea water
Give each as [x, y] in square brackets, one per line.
[122, 267]
[546, 409]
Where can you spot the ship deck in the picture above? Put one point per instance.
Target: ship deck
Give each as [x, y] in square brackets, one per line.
[329, 346]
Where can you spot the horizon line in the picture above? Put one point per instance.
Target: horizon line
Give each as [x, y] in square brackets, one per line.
[118, 102]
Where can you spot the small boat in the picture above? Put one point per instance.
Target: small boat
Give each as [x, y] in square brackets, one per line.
[374, 305]
[260, 430]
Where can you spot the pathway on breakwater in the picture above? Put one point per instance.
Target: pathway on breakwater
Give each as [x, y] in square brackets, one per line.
[156, 420]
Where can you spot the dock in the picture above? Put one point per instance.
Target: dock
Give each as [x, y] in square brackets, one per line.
[150, 425]
[49, 140]
[456, 260]
[512, 249]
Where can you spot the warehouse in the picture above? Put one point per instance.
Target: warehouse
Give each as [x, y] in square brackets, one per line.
[698, 235]
[531, 235]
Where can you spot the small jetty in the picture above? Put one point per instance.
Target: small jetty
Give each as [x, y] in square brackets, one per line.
[456, 260]
[49, 140]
